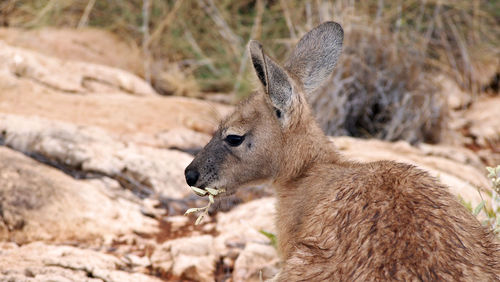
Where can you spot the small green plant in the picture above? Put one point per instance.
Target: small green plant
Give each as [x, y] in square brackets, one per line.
[271, 236]
[493, 213]
[494, 175]
[466, 204]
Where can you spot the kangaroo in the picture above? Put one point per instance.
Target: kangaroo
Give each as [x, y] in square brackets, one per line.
[338, 220]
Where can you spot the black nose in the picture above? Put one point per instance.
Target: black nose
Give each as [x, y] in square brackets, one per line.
[191, 176]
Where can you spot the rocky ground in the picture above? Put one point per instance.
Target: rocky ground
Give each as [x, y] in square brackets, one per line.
[92, 160]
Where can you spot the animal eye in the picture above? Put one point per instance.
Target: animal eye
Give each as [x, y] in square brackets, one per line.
[278, 112]
[234, 140]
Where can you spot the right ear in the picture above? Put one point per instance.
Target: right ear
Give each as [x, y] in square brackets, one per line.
[316, 54]
[275, 80]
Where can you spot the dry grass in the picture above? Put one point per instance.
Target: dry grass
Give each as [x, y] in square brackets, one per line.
[379, 91]
[382, 87]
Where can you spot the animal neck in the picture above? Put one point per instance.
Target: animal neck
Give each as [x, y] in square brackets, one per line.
[306, 149]
[305, 162]
[307, 153]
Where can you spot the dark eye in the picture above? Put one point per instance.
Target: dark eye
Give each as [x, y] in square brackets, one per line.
[278, 112]
[234, 140]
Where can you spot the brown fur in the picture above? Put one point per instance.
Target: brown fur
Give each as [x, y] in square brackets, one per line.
[337, 219]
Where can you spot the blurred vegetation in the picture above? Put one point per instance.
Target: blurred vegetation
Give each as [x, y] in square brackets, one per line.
[491, 213]
[383, 87]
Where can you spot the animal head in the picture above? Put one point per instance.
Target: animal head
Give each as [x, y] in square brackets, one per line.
[272, 132]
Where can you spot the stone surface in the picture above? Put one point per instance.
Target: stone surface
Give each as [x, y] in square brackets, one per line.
[187, 258]
[244, 223]
[478, 128]
[74, 78]
[456, 98]
[484, 122]
[256, 261]
[32, 84]
[42, 203]
[85, 45]
[238, 233]
[41, 262]
[91, 149]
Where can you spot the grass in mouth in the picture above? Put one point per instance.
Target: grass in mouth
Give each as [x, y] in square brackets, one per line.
[211, 199]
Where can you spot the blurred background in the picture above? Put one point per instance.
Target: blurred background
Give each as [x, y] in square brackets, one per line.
[103, 103]
[397, 54]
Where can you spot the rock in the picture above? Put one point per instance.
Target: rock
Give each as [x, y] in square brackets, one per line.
[187, 258]
[256, 260]
[483, 129]
[37, 86]
[243, 224]
[177, 222]
[91, 149]
[137, 263]
[42, 203]
[41, 262]
[74, 77]
[454, 166]
[484, 123]
[182, 138]
[151, 121]
[456, 97]
[456, 154]
[478, 128]
[84, 44]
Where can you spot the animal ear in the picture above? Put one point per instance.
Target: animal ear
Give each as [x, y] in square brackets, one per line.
[316, 54]
[274, 79]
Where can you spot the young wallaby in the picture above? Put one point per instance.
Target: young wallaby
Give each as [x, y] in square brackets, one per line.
[338, 220]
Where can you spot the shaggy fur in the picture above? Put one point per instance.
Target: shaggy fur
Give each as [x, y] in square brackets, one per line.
[336, 219]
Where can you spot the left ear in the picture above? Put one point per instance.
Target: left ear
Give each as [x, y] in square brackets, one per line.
[276, 82]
